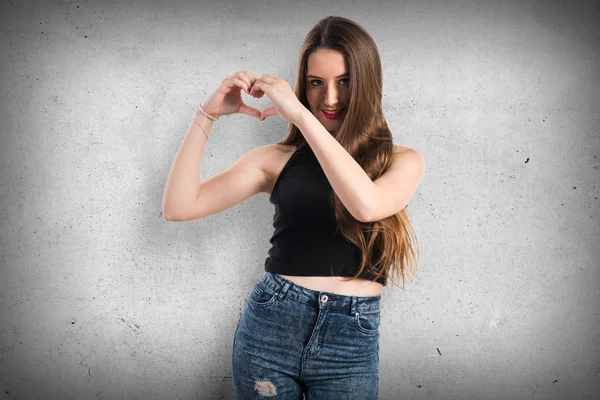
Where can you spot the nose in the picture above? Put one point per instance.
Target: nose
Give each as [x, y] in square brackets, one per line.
[331, 95]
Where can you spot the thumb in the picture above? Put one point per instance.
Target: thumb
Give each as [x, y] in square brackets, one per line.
[251, 111]
[271, 111]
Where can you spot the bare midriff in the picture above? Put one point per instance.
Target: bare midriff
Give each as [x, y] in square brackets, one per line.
[339, 285]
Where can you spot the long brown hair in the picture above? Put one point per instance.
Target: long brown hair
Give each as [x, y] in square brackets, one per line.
[365, 135]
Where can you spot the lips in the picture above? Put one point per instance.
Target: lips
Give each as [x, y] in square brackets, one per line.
[333, 114]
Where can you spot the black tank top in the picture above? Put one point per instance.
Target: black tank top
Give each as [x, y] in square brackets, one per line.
[306, 240]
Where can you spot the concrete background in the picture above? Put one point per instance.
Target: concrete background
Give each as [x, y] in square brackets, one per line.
[101, 298]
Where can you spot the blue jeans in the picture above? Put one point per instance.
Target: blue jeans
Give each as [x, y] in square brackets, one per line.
[292, 341]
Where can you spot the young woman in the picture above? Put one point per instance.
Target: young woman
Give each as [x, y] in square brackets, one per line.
[340, 188]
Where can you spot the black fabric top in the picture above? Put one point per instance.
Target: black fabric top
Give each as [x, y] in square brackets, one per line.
[306, 240]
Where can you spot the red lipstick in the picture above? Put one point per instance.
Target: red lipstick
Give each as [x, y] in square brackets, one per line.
[332, 115]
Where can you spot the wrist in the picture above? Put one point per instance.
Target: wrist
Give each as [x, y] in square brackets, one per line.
[302, 118]
[203, 122]
[213, 115]
[201, 117]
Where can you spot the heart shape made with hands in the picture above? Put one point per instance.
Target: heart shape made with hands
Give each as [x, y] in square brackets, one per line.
[253, 111]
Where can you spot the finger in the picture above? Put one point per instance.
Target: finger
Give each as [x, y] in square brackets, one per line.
[268, 112]
[251, 76]
[255, 86]
[258, 89]
[241, 84]
[251, 111]
[267, 78]
[246, 77]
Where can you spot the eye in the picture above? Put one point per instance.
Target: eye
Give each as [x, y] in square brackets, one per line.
[318, 81]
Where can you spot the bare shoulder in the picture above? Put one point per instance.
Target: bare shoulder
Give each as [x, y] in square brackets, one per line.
[408, 156]
[283, 148]
[401, 150]
[275, 151]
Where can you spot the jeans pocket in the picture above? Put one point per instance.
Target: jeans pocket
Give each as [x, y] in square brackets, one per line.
[262, 295]
[367, 322]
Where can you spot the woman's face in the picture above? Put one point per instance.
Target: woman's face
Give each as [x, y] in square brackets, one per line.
[327, 87]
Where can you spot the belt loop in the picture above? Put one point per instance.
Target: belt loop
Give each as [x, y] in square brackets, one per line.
[353, 305]
[284, 290]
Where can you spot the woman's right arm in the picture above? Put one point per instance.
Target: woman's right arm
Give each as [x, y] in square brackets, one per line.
[185, 197]
[181, 189]
[242, 180]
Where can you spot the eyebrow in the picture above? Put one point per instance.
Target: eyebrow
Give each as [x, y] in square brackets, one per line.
[313, 76]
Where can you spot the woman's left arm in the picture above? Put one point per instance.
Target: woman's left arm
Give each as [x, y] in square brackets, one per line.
[366, 200]
[347, 178]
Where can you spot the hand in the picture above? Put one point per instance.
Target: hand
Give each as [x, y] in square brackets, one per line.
[285, 102]
[226, 98]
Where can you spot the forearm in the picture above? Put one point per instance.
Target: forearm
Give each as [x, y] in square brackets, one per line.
[347, 178]
[181, 189]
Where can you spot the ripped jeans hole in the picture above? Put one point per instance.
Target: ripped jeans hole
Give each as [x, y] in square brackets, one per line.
[265, 388]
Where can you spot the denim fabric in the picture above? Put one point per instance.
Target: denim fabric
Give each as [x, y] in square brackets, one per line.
[292, 341]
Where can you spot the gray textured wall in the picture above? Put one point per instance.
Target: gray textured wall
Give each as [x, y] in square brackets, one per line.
[102, 298]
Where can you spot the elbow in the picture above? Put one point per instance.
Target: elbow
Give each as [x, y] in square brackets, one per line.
[166, 211]
[169, 215]
[173, 218]
[171, 211]
[365, 216]
[364, 219]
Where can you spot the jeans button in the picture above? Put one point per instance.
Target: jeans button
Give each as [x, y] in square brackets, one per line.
[324, 298]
